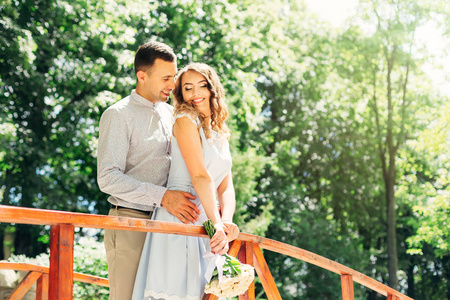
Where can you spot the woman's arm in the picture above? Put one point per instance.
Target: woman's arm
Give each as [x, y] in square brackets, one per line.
[188, 139]
[227, 201]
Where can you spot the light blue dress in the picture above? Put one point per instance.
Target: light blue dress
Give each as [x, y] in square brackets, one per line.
[172, 266]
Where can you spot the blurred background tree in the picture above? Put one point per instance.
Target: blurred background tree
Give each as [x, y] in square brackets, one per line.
[340, 136]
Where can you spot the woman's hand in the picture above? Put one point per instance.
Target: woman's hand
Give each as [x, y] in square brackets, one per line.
[231, 229]
[219, 241]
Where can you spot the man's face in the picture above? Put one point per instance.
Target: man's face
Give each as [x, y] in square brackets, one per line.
[158, 82]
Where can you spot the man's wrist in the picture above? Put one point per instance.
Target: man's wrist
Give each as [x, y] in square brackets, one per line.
[166, 194]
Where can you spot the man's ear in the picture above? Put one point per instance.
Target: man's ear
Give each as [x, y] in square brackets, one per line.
[141, 75]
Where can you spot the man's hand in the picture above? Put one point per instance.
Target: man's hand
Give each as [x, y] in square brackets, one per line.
[177, 203]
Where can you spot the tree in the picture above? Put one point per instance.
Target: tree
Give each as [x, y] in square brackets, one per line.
[391, 59]
[424, 187]
[327, 126]
[310, 171]
[65, 62]
[61, 65]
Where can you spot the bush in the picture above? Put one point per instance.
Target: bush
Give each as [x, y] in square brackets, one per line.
[89, 258]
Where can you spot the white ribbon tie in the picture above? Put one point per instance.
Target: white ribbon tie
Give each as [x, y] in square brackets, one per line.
[216, 260]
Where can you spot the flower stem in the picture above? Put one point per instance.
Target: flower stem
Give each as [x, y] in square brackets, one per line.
[209, 227]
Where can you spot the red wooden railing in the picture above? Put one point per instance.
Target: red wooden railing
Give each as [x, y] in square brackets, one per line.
[247, 247]
[40, 275]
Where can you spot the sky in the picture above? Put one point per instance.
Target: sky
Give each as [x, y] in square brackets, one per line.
[337, 11]
[334, 11]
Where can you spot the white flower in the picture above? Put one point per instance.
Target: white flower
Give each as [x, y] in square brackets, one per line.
[226, 275]
[232, 286]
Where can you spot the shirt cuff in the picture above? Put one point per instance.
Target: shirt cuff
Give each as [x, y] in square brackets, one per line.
[156, 194]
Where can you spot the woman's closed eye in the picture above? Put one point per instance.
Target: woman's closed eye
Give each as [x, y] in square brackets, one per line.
[188, 88]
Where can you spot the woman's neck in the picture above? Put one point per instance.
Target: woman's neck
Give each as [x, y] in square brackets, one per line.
[207, 121]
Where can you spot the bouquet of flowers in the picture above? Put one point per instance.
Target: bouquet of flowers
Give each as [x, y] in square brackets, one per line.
[226, 275]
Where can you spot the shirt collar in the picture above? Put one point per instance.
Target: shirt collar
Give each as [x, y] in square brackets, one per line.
[136, 97]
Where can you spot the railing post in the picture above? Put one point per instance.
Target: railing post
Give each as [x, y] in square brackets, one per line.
[42, 288]
[61, 262]
[262, 269]
[347, 287]
[24, 286]
[235, 246]
[246, 257]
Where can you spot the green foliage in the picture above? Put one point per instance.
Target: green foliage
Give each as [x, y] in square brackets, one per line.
[59, 58]
[304, 100]
[49, 79]
[426, 187]
[247, 167]
[89, 258]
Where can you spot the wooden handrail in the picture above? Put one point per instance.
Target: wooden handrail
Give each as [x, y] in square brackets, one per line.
[80, 277]
[322, 262]
[12, 214]
[40, 275]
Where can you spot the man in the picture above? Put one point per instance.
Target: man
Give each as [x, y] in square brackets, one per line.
[134, 160]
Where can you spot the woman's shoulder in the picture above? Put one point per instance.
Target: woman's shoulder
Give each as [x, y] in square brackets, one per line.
[191, 115]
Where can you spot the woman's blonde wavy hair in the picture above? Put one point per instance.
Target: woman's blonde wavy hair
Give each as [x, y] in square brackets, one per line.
[219, 109]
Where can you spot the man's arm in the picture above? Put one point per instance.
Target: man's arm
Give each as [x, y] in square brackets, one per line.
[112, 152]
[113, 145]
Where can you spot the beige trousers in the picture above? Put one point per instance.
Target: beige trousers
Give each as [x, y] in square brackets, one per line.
[123, 252]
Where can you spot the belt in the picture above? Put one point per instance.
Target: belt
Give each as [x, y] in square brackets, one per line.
[120, 207]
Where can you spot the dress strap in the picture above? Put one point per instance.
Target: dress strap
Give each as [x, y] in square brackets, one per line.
[193, 119]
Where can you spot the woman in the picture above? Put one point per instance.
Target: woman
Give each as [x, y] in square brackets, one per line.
[172, 266]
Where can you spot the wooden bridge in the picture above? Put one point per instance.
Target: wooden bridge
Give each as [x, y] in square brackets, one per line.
[56, 282]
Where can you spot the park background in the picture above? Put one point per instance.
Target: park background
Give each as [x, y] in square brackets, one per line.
[340, 129]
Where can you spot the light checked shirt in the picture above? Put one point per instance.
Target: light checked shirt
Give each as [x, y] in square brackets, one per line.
[133, 158]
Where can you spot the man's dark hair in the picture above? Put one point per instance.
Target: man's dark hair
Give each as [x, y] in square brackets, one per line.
[149, 52]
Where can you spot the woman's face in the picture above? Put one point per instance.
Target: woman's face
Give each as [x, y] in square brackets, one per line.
[194, 88]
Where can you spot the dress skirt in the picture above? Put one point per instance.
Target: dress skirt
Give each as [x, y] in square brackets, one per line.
[172, 266]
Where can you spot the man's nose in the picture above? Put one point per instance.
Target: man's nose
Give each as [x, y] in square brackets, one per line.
[171, 84]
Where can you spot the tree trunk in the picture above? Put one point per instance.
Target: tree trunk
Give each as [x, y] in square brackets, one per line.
[9, 232]
[411, 284]
[446, 264]
[391, 233]
[389, 178]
